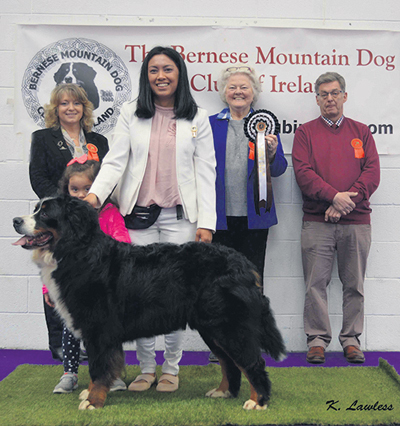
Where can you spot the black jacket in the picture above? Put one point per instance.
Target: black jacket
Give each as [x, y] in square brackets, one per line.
[50, 155]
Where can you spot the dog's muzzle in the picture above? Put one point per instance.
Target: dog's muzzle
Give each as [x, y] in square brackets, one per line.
[17, 223]
[29, 242]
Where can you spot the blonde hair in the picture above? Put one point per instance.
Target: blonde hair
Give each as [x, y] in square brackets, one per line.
[77, 94]
[239, 69]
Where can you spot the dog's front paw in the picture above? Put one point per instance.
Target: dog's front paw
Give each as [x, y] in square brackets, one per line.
[84, 394]
[252, 405]
[215, 393]
[86, 405]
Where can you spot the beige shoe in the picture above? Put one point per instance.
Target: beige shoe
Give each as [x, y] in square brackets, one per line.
[142, 383]
[168, 383]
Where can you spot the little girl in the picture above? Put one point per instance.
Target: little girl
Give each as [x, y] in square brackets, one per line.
[76, 181]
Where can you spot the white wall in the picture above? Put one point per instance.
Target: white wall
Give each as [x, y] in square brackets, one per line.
[21, 313]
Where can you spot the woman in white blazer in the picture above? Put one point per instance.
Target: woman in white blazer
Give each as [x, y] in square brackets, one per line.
[161, 156]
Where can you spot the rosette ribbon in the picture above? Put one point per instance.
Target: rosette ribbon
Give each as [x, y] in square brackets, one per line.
[258, 124]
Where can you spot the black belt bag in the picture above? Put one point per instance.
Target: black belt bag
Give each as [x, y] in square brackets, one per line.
[142, 217]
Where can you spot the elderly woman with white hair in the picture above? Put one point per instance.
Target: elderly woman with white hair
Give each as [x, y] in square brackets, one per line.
[240, 224]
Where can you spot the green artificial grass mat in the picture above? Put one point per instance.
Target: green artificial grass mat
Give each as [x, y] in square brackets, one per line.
[300, 395]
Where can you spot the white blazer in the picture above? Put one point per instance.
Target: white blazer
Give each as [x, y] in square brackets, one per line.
[125, 165]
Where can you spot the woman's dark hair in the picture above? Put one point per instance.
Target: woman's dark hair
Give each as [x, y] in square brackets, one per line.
[185, 106]
[91, 168]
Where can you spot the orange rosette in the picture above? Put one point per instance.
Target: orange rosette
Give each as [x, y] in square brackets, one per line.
[92, 152]
[358, 148]
[251, 151]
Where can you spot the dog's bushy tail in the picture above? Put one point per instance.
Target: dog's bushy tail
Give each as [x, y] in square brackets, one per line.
[271, 338]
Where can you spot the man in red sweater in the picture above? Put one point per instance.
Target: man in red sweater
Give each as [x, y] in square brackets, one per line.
[337, 169]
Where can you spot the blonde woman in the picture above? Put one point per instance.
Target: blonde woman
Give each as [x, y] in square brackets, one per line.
[69, 122]
[68, 134]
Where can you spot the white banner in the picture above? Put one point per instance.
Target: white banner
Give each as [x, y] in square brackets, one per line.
[107, 60]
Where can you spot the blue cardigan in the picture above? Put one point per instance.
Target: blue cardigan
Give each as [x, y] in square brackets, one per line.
[266, 219]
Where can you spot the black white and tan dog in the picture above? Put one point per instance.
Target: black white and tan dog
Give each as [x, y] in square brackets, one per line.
[110, 292]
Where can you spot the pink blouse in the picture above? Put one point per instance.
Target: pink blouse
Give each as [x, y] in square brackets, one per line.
[160, 183]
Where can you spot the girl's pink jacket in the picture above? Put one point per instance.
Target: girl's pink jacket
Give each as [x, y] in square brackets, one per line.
[111, 223]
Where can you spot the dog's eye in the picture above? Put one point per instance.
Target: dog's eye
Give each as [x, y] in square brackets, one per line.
[43, 214]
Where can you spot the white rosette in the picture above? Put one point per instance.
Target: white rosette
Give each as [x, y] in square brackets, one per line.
[258, 124]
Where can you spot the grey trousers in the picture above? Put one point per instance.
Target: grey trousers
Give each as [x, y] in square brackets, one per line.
[319, 241]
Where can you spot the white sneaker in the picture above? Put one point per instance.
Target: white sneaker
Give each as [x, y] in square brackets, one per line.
[67, 384]
[118, 385]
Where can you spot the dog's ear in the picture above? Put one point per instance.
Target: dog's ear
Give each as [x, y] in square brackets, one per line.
[80, 218]
[85, 70]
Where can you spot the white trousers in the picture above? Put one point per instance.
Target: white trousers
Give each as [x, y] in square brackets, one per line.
[167, 229]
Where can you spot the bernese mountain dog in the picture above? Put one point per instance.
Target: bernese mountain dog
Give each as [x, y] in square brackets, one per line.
[109, 292]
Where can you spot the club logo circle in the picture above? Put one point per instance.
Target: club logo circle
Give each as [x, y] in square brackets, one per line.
[86, 62]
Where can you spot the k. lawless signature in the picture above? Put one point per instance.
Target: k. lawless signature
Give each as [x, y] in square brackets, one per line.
[355, 406]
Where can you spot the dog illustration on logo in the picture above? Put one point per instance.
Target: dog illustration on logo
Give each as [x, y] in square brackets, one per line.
[81, 74]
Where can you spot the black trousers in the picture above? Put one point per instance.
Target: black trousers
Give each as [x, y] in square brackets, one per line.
[54, 326]
[250, 242]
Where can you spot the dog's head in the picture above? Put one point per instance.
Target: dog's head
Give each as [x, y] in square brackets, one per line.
[61, 76]
[60, 218]
[81, 74]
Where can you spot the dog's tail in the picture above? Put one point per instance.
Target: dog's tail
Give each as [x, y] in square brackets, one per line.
[271, 338]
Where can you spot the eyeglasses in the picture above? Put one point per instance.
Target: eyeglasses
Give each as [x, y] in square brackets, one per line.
[239, 69]
[334, 94]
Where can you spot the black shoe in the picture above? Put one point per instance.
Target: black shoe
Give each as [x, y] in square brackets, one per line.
[57, 353]
[213, 358]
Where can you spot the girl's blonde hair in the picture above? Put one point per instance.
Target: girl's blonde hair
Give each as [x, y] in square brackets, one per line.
[91, 168]
[77, 94]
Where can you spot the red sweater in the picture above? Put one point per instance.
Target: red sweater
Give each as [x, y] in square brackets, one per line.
[324, 163]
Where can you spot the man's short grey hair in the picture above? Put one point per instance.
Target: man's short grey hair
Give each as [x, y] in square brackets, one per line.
[330, 77]
[239, 69]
